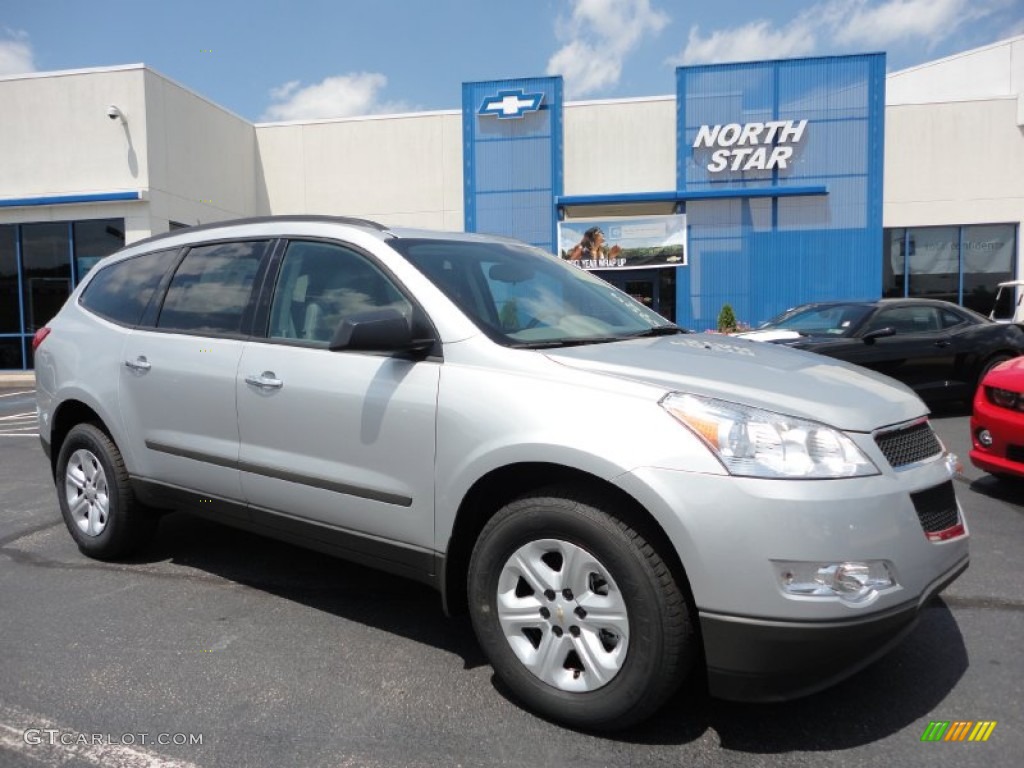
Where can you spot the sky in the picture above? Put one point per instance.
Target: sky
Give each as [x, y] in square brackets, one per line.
[273, 61]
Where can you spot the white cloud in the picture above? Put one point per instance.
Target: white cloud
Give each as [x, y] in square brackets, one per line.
[598, 36]
[15, 53]
[835, 25]
[895, 20]
[751, 42]
[357, 93]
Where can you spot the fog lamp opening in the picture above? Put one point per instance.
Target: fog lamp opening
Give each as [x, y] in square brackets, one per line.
[856, 582]
[985, 438]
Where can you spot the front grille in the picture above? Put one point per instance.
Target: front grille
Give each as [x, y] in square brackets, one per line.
[936, 507]
[1015, 453]
[909, 445]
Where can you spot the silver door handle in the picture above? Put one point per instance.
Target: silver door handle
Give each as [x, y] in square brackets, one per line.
[140, 363]
[265, 380]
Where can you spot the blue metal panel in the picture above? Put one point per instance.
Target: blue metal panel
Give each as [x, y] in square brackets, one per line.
[21, 290]
[512, 164]
[98, 197]
[680, 197]
[763, 256]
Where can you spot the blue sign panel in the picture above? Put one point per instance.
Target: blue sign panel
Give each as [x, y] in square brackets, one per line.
[750, 134]
[512, 168]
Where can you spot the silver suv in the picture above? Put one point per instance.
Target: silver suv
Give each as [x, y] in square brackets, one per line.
[617, 503]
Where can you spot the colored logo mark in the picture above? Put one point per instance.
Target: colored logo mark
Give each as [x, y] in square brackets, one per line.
[511, 104]
[958, 730]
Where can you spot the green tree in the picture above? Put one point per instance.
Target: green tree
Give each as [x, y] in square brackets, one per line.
[726, 319]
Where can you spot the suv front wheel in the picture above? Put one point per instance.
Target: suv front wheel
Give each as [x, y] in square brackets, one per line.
[577, 612]
[97, 503]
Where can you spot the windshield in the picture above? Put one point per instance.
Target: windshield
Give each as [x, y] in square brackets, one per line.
[827, 320]
[521, 296]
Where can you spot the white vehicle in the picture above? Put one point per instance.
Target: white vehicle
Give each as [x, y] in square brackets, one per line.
[1017, 315]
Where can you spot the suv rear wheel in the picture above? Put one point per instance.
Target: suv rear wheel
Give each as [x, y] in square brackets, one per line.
[97, 503]
[577, 612]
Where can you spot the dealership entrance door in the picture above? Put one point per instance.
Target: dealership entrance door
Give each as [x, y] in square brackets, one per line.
[654, 288]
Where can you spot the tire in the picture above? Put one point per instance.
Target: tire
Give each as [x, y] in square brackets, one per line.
[99, 508]
[580, 669]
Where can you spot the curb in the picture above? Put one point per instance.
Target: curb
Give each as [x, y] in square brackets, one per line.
[8, 378]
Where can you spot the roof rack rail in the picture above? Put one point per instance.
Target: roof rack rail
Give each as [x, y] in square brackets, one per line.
[350, 220]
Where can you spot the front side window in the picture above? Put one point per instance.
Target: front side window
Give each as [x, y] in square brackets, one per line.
[906, 320]
[522, 297]
[320, 285]
[121, 292]
[211, 289]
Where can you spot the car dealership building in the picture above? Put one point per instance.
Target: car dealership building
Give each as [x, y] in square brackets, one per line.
[761, 184]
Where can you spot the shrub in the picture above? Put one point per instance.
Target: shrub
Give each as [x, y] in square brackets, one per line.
[726, 319]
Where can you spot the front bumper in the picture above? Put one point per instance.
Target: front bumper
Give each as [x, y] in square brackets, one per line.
[730, 533]
[761, 660]
[1007, 430]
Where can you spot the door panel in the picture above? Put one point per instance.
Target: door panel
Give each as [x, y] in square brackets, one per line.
[177, 397]
[340, 438]
[177, 385]
[347, 439]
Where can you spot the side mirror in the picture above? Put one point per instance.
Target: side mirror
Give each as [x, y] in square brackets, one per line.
[379, 330]
[878, 333]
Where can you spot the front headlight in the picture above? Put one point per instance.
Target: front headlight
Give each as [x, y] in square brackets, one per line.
[756, 443]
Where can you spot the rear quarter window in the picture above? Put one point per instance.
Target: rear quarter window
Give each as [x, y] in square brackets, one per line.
[121, 292]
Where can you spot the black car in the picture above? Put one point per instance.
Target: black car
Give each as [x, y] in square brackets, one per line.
[939, 349]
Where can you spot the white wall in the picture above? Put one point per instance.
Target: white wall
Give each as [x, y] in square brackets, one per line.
[954, 141]
[403, 170]
[991, 71]
[620, 146]
[203, 159]
[56, 138]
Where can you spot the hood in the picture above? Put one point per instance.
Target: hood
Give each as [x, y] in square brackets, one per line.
[762, 375]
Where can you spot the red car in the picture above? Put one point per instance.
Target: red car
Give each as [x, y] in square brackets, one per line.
[997, 424]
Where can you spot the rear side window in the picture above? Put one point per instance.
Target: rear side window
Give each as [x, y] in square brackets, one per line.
[121, 292]
[211, 288]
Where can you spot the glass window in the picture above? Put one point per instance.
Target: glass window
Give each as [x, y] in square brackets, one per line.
[9, 320]
[321, 284]
[988, 252]
[893, 263]
[556, 303]
[211, 289]
[934, 262]
[829, 319]
[122, 291]
[906, 320]
[95, 239]
[10, 353]
[46, 271]
[963, 265]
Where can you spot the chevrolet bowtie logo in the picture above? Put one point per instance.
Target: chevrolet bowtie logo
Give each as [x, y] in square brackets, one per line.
[511, 104]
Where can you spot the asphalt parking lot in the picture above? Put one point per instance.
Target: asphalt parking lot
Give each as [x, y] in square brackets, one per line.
[273, 656]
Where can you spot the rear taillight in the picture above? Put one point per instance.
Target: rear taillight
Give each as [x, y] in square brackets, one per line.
[41, 334]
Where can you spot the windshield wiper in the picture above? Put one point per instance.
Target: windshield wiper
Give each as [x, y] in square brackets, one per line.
[567, 342]
[658, 330]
